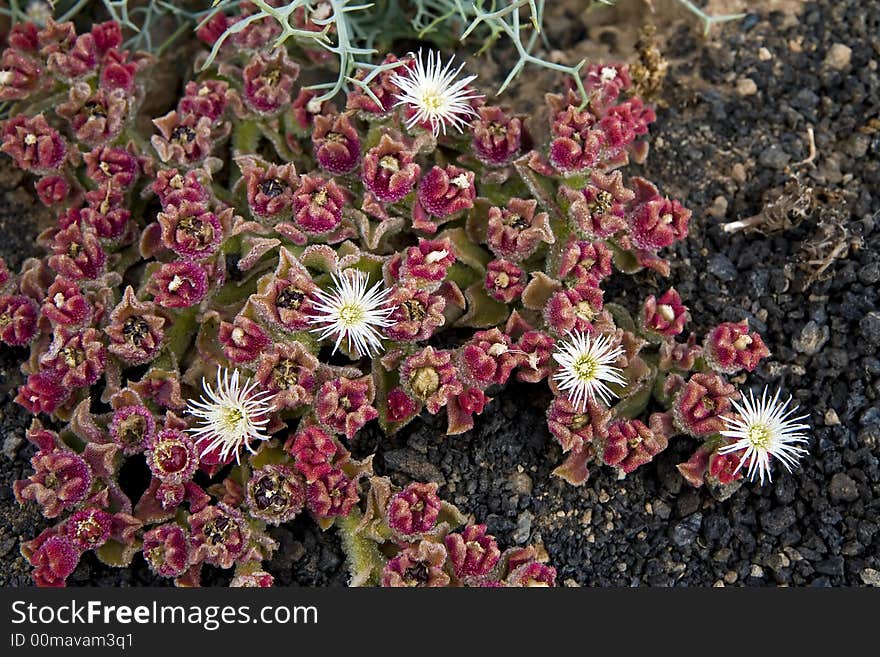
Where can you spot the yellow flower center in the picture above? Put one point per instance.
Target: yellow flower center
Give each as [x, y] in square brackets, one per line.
[585, 367]
[389, 163]
[432, 101]
[584, 310]
[351, 315]
[320, 198]
[759, 436]
[232, 417]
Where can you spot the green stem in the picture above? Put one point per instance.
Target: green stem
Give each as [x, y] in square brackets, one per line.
[365, 563]
[177, 340]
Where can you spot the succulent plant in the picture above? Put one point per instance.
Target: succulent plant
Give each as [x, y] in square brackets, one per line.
[237, 293]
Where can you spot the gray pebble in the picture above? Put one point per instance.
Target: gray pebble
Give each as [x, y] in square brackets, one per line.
[685, 532]
[870, 273]
[869, 326]
[843, 488]
[722, 268]
[776, 521]
[774, 157]
[523, 528]
[812, 338]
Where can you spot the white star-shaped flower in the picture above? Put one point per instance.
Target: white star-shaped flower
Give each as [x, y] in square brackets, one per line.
[586, 367]
[763, 428]
[231, 417]
[353, 313]
[433, 94]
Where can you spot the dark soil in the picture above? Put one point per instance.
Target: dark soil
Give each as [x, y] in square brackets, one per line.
[733, 130]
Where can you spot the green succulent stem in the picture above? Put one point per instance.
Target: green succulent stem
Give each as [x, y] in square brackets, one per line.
[180, 334]
[365, 562]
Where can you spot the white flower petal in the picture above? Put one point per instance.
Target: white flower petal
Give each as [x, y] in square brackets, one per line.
[430, 90]
[586, 367]
[762, 429]
[352, 312]
[230, 415]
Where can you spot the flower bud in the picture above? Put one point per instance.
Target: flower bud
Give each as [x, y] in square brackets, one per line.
[416, 314]
[631, 444]
[172, 457]
[289, 372]
[317, 205]
[516, 231]
[497, 137]
[88, 529]
[314, 451]
[178, 284]
[135, 330]
[41, 394]
[425, 264]
[190, 230]
[243, 340]
[33, 145]
[218, 535]
[505, 281]
[444, 191]
[332, 494]
[268, 81]
[473, 552]
[665, 316]
[487, 359]
[132, 429]
[54, 561]
[270, 190]
[345, 405]
[61, 480]
[431, 377]
[75, 360]
[420, 565]
[77, 254]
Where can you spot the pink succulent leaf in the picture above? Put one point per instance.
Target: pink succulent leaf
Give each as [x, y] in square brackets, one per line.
[166, 550]
[730, 347]
[414, 510]
[332, 494]
[61, 480]
[666, 315]
[702, 403]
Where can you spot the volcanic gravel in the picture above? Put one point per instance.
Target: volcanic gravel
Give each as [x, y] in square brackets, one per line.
[731, 141]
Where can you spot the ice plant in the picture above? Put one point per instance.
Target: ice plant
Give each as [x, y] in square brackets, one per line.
[432, 95]
[762, 429]
[352, 312]
[260, 226]
[586, 368]
[230, 417]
